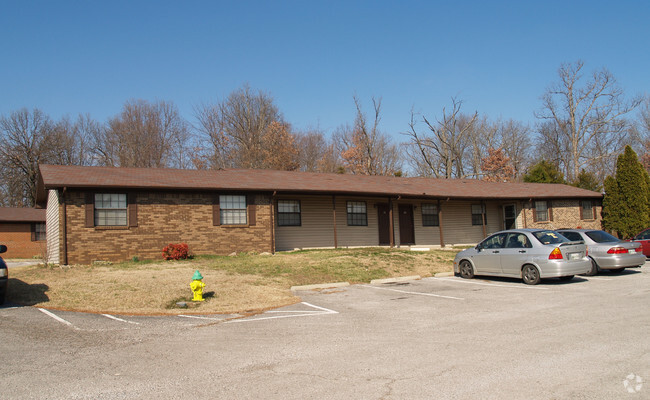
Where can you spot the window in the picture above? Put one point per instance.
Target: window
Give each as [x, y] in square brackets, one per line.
[541, 211]
[517, 241]
[494, 242]
[478, 210]
[601, 237]
[38, 231]
[288, 213]
[572, 236]
[430, 215]
[357, 213]
[587, 211]
[232, 209]
[110, 209]
[549, 237]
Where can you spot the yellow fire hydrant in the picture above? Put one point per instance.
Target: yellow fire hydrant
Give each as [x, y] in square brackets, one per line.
[197, 286]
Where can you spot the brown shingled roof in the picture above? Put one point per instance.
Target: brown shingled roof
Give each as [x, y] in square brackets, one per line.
[58, 176]
[10, 214]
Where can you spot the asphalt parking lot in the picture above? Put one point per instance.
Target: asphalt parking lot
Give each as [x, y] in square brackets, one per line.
[435, 338]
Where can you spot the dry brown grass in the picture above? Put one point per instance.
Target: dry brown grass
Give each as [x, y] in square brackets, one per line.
[244, 283]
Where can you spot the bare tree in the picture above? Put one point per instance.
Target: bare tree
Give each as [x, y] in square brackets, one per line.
[247, 130]
[316, 153]
[144, 134]
[585, 121]
[440, 151]
[27, 139]
[73, 140]
[364, 149]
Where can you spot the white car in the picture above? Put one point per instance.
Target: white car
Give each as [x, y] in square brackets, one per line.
[529, 254]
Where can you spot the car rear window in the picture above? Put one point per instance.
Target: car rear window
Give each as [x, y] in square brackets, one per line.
[571, 235]
[549, 237]
[601, 237]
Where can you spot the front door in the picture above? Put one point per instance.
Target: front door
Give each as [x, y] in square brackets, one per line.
[383, 220]
[509, 216]
[406, 234]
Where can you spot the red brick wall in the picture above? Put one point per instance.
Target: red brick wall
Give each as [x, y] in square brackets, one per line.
[18, 239]
[163, 218]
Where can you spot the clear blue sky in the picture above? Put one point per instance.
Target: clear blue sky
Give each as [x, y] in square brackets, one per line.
[71, 57]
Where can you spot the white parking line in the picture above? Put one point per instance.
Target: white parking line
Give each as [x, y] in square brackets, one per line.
[323, 311]
[491, 284]
[416, 293]
[56, 317]
[120, 319]
[199, 317]
[596, 279]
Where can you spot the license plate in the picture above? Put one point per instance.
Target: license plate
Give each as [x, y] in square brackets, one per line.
[632, 251]
[574, 256]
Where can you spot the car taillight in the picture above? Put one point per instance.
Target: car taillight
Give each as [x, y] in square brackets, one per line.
[639, 249]
[556, 254]
[617, 250]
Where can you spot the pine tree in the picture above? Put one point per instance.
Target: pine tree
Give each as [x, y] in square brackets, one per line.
[544, 172]
[626, 208]
[587, 180]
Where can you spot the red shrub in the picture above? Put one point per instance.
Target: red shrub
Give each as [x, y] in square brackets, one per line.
[175, 251]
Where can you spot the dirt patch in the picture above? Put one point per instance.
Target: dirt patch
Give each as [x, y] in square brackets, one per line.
[233, 284]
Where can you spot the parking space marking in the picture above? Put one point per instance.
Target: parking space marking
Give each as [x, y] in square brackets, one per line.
[491, 284]
[119, 319]
[416, 293]
[596, 279]
[321, 311]
[199, 317]
[56, 317]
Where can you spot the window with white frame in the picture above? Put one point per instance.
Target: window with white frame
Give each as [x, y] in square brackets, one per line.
[110, 209]
[478, 214]
[38, 229]
[587, 209]
[541, 211]
[288, 213]
[232, 209]
[430, 215]
[357, 213]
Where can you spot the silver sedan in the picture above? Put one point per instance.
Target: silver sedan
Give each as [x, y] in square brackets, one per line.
[607, 251]
[529, 254]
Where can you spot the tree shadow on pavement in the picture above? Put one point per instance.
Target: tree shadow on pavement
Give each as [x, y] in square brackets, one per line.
[25, 294]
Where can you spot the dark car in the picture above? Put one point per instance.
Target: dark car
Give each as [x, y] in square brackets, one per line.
[644, 238]
[4, 275]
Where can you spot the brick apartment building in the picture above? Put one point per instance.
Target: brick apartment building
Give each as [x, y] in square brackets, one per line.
[22, 230]
[104, 213]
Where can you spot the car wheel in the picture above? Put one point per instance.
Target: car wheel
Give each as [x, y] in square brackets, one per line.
[466, 270]
[594, 268]
[566, 278]
[530, 275]
[617, 270]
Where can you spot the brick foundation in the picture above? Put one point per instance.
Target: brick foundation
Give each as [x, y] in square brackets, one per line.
[18, 239]
[162, 218]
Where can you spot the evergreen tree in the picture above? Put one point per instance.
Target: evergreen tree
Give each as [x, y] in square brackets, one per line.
[544, 172]
[626, 208]
[587, 180]
[610, 204]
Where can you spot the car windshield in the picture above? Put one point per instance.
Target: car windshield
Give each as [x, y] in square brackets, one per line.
[549, 237]
[601, 237]
[571, 235]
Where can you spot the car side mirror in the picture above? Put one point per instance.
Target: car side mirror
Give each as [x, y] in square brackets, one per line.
[479, 247]
[3, 248]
